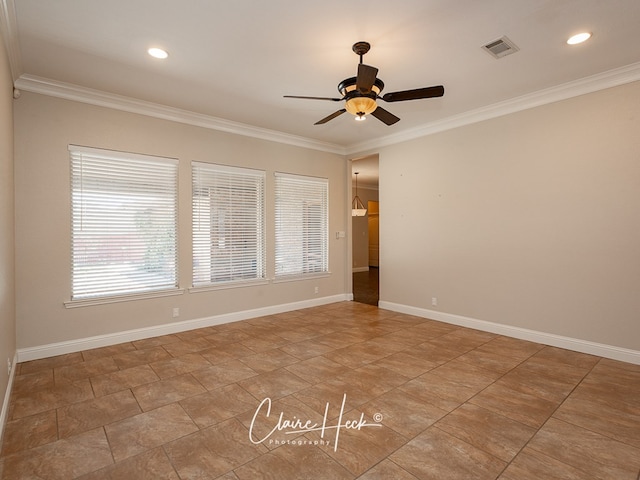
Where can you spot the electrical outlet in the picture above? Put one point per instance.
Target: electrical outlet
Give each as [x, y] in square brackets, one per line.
[434, 301]
[8, 366]
[316, 290]
[176, 312]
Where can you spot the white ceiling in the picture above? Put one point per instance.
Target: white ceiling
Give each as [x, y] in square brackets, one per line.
[235, 60]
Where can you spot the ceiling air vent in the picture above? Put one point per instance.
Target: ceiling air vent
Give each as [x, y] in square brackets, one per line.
[501, 47]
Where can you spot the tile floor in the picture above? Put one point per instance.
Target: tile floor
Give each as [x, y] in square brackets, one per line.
[413, 399]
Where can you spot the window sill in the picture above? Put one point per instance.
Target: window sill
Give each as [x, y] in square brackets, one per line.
[226, 286]
[90, 302]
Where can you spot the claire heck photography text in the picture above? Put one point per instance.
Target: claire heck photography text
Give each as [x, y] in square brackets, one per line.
[279, 426]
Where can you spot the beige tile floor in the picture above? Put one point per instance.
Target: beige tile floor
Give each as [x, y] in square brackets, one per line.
[414, 399]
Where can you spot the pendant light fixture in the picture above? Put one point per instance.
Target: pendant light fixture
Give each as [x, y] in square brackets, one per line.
[357, 207]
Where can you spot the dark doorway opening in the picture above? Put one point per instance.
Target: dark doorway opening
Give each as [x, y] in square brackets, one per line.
[366, 287]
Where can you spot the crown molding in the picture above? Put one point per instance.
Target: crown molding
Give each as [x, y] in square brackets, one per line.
[593, 83]
[45, 86]
[601, 81]
[9, 29]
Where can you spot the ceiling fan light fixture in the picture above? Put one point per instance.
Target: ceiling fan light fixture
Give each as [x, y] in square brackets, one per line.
[360, 105]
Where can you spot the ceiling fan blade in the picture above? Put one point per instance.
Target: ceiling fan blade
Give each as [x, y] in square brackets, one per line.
[331, 117]
[313, 98]
[417, 94]
[384, 116]
[366, 77]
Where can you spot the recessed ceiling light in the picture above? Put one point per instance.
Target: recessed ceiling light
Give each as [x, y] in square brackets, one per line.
[579, 38]
[157, 53]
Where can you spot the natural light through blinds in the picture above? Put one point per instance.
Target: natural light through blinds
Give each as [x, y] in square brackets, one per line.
[228, 225]
[124, 223]
[302, 223]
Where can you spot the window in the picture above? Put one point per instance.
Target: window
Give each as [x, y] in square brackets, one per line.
[228, 225]
[302, 240]
[124, 222]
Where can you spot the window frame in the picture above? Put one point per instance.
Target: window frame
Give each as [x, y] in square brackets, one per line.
[231, 205]
[299, 200]
[114, 179]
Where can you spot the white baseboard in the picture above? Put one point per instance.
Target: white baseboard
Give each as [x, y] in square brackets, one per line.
[70, 346]
[360, 269]
[575, 344]
[60, 348]
[4, 413]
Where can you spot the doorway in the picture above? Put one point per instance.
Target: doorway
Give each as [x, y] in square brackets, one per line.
[373, 224]
[366, 286]
[365, 233]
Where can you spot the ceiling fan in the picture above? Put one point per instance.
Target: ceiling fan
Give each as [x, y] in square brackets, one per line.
[362, 92]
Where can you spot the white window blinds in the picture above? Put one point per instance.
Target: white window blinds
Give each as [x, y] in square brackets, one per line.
[124, 223]
[302, 218]
[228, 225]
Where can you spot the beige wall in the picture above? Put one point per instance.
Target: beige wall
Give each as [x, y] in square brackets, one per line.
[530, 220]
[360, 229]
[7, 291]
[44, 128]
